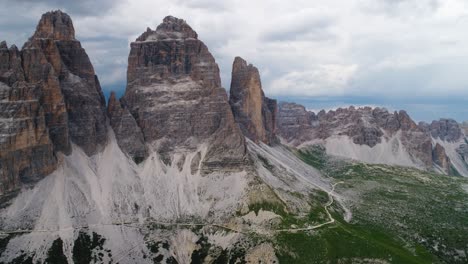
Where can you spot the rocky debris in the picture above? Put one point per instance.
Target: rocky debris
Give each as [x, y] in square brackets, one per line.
[365, 126]
[445, 129]
[440, 158]
[127, 132]
[174, 92]
[255, 113]
[50, 96]
[263, 253]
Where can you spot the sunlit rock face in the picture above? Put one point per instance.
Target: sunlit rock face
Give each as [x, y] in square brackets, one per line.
[73, 87]
[26, 151]
[50, 97]
[255, 113]
[174, 92]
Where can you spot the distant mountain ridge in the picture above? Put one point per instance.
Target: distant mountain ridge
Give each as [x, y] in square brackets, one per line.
[376, 135]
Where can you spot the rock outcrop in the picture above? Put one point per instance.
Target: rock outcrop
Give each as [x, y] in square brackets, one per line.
[50, 97]
[440, 158]
[26, 151]
[445, 129]
[255, 113]
[364, 126]
[54, 47]
[127, 132]
[294, 121]
[174, 93]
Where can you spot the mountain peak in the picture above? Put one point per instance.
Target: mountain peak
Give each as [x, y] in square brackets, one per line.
[56, 25]
[170, 28]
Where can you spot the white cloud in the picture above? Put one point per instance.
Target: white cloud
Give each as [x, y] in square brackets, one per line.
[323, 80]
[301, 47]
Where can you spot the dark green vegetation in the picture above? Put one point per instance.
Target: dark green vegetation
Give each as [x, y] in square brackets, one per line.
[55, 254]
[400, 215]
[88, 248]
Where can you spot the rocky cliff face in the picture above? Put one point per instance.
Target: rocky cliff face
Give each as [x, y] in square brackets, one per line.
[440, 158]
[174, 92]
[395, 137]
[127, 132]
[255, 113]
[82, 93]
[50, 97]
[26, 150]
[294, 122]
[445, 129]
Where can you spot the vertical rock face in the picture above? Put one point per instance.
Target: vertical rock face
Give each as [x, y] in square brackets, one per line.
[54, 56]
[50, 96]
[255, 113]
[294, 121]
[26, 151]
[440, 158]
[128, 134]
[174, 92]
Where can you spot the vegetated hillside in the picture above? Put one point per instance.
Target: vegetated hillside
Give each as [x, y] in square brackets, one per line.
[400, 215]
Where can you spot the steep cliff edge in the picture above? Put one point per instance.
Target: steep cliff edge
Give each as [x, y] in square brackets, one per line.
[53, 46]
[174, 93]
[50, 98]
[255, 113]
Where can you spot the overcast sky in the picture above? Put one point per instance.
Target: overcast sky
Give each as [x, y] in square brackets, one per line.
[410, 54]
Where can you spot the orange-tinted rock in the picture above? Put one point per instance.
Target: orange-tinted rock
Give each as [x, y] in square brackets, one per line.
[26, 151]
[49, 96]
[255, 113]
[72, 97]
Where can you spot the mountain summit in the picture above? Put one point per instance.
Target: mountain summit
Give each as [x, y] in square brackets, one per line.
[177, 172]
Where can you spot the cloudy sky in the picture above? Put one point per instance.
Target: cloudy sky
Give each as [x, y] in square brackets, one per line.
[401, 54]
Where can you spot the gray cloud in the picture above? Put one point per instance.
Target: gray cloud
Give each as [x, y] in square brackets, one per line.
[309, 30]
[77, 7]
[391, 48]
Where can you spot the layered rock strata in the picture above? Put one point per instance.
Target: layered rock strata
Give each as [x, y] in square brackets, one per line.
[174, 93]
[50, 97]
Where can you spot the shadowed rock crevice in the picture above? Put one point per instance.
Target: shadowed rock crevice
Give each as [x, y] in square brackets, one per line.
[127, 132]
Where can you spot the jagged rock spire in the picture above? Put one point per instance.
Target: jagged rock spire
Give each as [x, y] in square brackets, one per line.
[255, 113]
[174, 92]
[55, 25]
